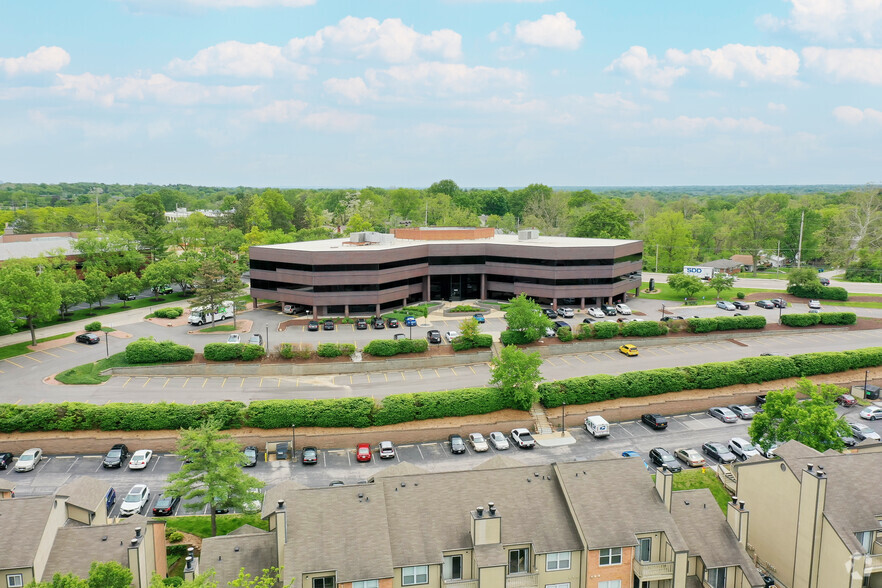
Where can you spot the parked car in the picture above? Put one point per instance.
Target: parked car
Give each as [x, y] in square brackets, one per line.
[140, 459]
[630, 453]
[770, 453]
[550, 313]
[110, 499]
[135, 500]
[719, 452]
[451, 335]
[361, 324]
[824, 281]
[457, 445]
[165, 505]
[675, 317]
[433, 336]
[328, 325]
[723, 414]
[725, 305]
[336, 483]
[498, 441]
[596, 313]
[557, 325]
[629, 350]
[740, 305]
[312, 326]
[815, 304]
[587, 321]
[861, 431]
[127, 296]
[5, 460]
[378, 323]
[871, 413]
[654, 421]
[522, 438]
[661, 457]
[234, 339]
[623, 308]
[742, 447]
[764, 304]
[690, 457]
[608, 309]
[116, 456]
[28, 460]
[478, 443]
[566, 312]
[255, 339]
[848, 440]
[386, 450]
[309, 456]
[743, 412]
[363, 452]
[846, 400]
[87, 338]
[250, 454]
[392, 323]
[779, 303]
[410, 321]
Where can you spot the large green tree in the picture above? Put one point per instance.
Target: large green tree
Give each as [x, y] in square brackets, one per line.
[516, 374]
[525, 316]
[29, 296]
[760, 224]
[216, 281]
[669, 241]
[97, 286]
[212, 474]
[109, 574]
[688, 286]
[606, 219]
[721, 281]
[125, 285]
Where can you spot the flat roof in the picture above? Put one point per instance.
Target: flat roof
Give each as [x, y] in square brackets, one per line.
[541, 241]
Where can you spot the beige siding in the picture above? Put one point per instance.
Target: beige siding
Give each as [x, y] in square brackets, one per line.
[79, 514]
[56, 520]
[492, 577]
[835, 560]
[27, 575]
[559, 576]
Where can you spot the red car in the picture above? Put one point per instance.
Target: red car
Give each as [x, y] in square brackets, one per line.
[846, 400]
[363, 452]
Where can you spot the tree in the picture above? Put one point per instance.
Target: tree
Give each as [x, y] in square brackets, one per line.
[205, 580]
[812, 422]
[212, 475]
[158, 275]
[607, 219]
[215, 281]
[270, 578]
[29, 296]
[97, 286]
[469, 329]
[669, 234]
[357, 224]
[688, 286]
[72, 293]
[61, 581]
[759, 223]
[524, 315]
[125, 285]
[109, 574]
[516, 374]
[805, 277]
[721, 281]
[7, 318]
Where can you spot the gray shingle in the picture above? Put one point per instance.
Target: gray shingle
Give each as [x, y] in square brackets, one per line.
[28, 516]
[75, 548]
[252, 549]
[85, 492]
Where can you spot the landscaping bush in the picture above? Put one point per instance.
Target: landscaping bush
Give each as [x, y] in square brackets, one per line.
[222, 352]
[728, 323]
[483, 340]
[387, 348]
[399, 408]
[800, 320]
[94, 326]
[286, 350]
[302, 351]
[168, 313]
[604, 330]
[175, 537]
[465, 308]
[146, 350]
[565, 334]
[837, 318]
[740, 295]
[644, 329]
[333, 412]
[819, 292]
[702, 325]
[509, 337]
[335, 349]
[252, 351]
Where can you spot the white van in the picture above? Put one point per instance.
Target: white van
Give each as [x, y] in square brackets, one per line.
[201, 315]
[597, 426]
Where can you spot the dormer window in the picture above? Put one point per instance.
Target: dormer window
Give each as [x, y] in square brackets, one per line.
[865, 538]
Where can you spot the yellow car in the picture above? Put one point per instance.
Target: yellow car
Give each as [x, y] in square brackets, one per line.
[628, 349]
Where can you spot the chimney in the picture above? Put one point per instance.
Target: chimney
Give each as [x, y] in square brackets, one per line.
[138, 532]
[810, 515]
[492, 508]
[278, 522]
[737, 517]
[664, 485]
[486, 529]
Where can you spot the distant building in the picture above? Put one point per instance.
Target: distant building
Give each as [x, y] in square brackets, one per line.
[181, 213]
[32, 246]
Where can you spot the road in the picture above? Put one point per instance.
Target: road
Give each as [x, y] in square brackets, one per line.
[771, 284]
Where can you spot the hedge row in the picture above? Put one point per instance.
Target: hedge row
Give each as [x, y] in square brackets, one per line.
[643, 329]
[146, 350]
[819, 292]
[749, 370]
[726, 323]
[824, 318]
[388, 348]
[509, 337]
[800, 320]
[233, 351]
[168, 313]
[837, 318]
[289, 351]
[481, 340]
[418, 406]
[331, 412]
[335, 349]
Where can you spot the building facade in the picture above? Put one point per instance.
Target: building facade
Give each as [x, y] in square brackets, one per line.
[369, 272]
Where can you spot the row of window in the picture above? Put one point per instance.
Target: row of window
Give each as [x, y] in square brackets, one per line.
[261, 264]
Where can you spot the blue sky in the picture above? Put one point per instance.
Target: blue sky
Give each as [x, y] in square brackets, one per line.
[404, 93]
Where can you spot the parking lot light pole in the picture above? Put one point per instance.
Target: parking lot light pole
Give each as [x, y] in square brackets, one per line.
[107, 346]
[866, 375]
[293, 440]
[663, 310]
[780, 308]
[563, 419]
[267, 338]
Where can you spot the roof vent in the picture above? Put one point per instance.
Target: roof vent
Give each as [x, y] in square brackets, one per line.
[492, 508]
[404, 484]
[104, 538]
[134, 540]
[686, 502]
[810, 466]
[137, 531]
[740, 505]
[361, 495]
[281, 504]
[480, 511]
[535, 474]
[734, 500]
[236, 548]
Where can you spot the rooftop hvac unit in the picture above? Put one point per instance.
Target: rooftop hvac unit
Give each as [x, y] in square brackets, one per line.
[528, 234]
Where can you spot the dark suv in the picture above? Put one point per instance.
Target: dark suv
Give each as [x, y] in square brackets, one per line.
[378, 322]
[457, 445]
[360, 324]
[662, 458]
[116, 456]
[608, 309]
[656, 421]
[434, 336]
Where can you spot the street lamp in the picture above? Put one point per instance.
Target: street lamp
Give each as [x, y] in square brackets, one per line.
[267, 338]
[663, 310]
[780, 308]
[866, 375]
[107, 347]
[563, 419]
[293, 441]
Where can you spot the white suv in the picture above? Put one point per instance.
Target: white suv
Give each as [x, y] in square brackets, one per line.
[623, 309]
[742, 447]
[135, 500]
[596, 313]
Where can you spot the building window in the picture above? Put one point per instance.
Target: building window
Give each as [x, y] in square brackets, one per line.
[366, 584]
[14, 581]
[564, 585]
[644, 549]
[611, 557]
[452, 569]
[865, 538]
[413, 575]
[557, 561]
[518, 561]
[716, 577]
[323, 582]
[610, 584]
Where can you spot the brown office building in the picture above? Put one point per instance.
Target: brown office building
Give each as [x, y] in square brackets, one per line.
[367, 273]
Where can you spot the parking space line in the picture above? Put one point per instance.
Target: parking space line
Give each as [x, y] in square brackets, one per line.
[167, 380]
[386, 375]
[473, 370]
[564, 359]
[368, 374]
[261, 383]
[437, 375]
[146, 381]
[31, 358]
[606, 355]
[834, 335]
[242, 383]
[403, 379]
[650, 351]
[47, 353]
[668, 351]
[204, 382]
[579, 357]
[129, 379]
[224, 383]
[184, 385]
[279, 382]
[158, 457]
[13, 363]
[68, 350]
[421, 452]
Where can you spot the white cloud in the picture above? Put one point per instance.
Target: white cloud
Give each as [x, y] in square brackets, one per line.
[232, 58]
[685, 125]
[41, 60]
[761, 63]
[615, 101]
[638, 63]
[390, 40]
[557, 31]
[160, 5]
[107, 90]
[830, 20]
[442, 78]
[775, 107]
[352, 89]
[856, 65]
[280, 111]
[299, 113]
[497, 104]
[855, 116]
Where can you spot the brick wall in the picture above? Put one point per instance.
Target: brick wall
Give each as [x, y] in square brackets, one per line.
[598, 573]
[444, 234]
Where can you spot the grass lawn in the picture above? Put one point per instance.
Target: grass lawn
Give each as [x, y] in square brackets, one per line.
[218, 329]
[85, 313]
[693, 479]
[90, 373]
[201, 525]
[710, 296]
[22, 348]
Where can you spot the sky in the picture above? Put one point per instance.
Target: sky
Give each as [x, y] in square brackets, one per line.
[388, 93]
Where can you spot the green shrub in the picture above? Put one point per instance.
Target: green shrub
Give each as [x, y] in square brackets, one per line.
[819, 292]
[837, 318]
[400, 408]
[222, 352]
[565, 334]
[173, 581]
[335, 349]
[252, 351]
[146, 350]
[171, 312]
[509, 337]
[702, 325]
[604, 330]
[94, 326]
[465, 308]
[460, 344]
[800, 320]
[483, 340]
[175, 536]
[740, 295]
[728, 323]
[644, 329]
[286, 350]
[387, 348]
[332, 412]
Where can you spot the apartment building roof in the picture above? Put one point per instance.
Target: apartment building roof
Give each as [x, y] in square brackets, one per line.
[85, 492]
[275, 493]
[708, 534]
[247, 547]
[28, 516]
[75, 548]
[613, 500]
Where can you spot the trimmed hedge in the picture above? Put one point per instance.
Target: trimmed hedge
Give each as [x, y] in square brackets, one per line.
[93, 326]
[331, 412]
[480, 340]
[819, 292]
[837, 318]
[644, 329]
[565, 334]
[168, 313]
[726, 323]
[390, 347]
[800, 320]
[146, 350]
[749, 370]
[418, 406]
[335, 349]
[230, 352]
[604, 330]
[509, 337]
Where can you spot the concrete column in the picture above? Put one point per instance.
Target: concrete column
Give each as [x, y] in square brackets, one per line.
[427, 288]
[315, 311]
[583, 303]
[554, 304]
[637, 292]
[483, 286]
[404, 302]
[346, 310]
[254, 303]
[377, 311]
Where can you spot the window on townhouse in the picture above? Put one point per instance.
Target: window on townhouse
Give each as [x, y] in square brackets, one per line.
[366, 584]
[716, 577]
[611, 556]
[865, 538]
[518, 561]
[14, 581]
[558, 561]
[563, 585]
[452, 568]
[323, 582]
[610, 584]
[410, 576]
[644, 549]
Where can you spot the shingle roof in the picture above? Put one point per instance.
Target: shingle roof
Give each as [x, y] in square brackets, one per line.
[402, 468]
[28, 516]
[247, 547]
[614, 499]
[75, 548]
[721, 264]
[499, 461]
[708, 534]
[742, 259]
[275, 493]
[85, 492]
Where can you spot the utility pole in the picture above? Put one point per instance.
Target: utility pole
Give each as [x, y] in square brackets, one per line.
[656, 258]
[427, 213]
[778, 261]
[799, 251]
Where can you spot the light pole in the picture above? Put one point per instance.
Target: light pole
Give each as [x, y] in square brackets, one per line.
[563, 419]
[107, 347]
[866, 375]
[293, 440]
[663, 310]
[267, 338]
[780, 308]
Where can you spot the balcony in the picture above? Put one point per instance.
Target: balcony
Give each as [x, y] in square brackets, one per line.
[873, 564]
[460, 583]
[522, 581]
[649, 571]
